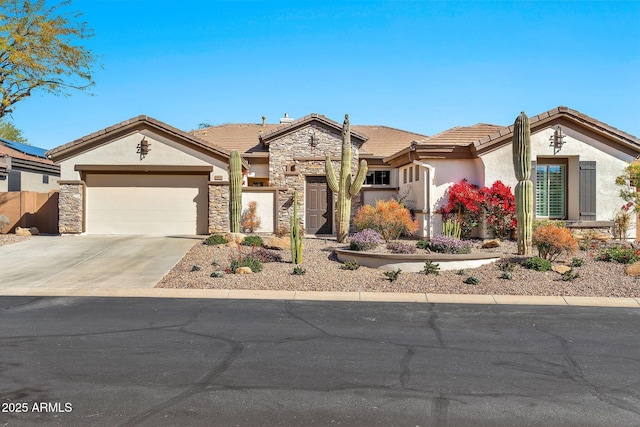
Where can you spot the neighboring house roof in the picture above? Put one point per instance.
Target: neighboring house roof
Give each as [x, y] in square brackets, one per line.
[123, 128]
[15, 155]
[253, 139]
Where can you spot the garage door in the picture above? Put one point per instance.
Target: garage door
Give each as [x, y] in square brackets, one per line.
[146, 204]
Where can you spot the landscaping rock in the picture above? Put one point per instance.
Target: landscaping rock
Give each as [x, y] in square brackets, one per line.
[22, 231]
[277, 243]
[235, 237]
[232, 245]
[560, 268]
[34, 231]
[633, 269]
[243, 270]
[490, 243]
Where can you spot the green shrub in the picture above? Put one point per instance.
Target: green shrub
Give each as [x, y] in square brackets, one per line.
[350, 265]
[537, 223]
[507, 275]
[461, 272]
[431, 267]
[537, 263]
[472, 280]
[392, 275]
[568, 276]
[619, 254]
[422, 244]
[252, 241]
[246, 261]
[577, 262]
[299, 271]
[215, 263]
[196, 268]
[217, 274]
[215, 239]
[507, 266]
[266, 255]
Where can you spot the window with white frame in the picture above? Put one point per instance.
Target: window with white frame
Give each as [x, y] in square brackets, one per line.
[551, 191]
[382, 177]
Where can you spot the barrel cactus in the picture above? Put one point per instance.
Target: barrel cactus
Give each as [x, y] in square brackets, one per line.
[345, 186]
[524, 188]
[235, 191]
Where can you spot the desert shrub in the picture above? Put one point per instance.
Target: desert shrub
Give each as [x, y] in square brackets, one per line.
[507, 275]
[266, 255]
[619, 254]
[500, 207]
[507, 266]
[431, 267]
[570, 275]
[299, 271]
[250, 221]
[401, 248]
[461, 272]
[4, 221]
[281, 231]
[422, 244]
[577, 262]
[350, 265]
[365, 240]
[215, 263]
[196, 268]
[389, 218]
[553, 241]
[246, 261]
[464, 205]
[217, 274]
[622, 222]
[449, 245]
[472, 280]
[537, 263]
[252, 241]
[215, 239]
[393, 274]
[537, 223]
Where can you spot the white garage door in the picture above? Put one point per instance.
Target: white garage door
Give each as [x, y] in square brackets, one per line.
[146, 204]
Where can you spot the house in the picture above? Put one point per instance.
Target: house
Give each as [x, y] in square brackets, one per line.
[26, 168]
[143, 176]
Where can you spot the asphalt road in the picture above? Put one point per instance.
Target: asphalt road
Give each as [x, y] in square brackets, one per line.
[157, 362]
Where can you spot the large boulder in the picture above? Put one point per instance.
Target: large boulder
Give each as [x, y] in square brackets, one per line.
[277, 243]
[560, 268]
[490, 243]
[243, 270]
[235, 237]
[634, 269]
[23, 231]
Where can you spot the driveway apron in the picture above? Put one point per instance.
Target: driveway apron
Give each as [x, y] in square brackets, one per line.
[91, 261]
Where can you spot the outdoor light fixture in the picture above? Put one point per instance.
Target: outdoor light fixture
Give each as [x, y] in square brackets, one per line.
[557, 140]
[314, 141]
[143, 148]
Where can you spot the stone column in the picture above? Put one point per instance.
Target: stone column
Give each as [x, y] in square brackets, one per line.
[218, 206]
[71, 205]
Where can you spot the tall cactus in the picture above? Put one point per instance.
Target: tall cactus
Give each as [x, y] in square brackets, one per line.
[295, 233]
[235, 191]
[524, 188]
[345, 187]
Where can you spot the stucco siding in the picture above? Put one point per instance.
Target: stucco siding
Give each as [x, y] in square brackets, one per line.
[265, 209]
[123, 151]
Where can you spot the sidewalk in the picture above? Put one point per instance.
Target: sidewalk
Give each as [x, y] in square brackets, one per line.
[323, 296]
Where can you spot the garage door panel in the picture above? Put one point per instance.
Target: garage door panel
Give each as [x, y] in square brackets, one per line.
[146, 204]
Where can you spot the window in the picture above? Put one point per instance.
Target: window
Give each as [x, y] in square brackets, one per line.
[45, 179]
[417, 172]
[404, 176]
[410, 170]
[378, 178]
[551, 191]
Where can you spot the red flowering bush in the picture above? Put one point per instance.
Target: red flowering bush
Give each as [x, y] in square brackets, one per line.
[467, 203]
[389, 218]
[500, 207]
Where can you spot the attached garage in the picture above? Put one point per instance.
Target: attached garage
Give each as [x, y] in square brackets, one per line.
[161, 204]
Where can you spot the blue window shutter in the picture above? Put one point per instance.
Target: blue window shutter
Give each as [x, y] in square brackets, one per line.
[587, 191]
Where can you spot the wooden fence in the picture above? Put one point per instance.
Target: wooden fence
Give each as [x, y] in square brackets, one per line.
[30, 209]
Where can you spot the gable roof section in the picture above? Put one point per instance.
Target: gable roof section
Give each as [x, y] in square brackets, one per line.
[244, 137]
[302, 122]
[620, 140]
[126, 127]
[25, 159]
[454, 143]
[384, 140]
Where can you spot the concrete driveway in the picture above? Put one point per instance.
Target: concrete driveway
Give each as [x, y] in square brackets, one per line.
[76, 262]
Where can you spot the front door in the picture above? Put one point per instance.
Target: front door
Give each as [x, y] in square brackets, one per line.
[319, 206]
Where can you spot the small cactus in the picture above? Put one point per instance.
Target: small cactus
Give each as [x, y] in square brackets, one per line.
[345, 186]
[295, 234]
[452, 228]
[235, 191]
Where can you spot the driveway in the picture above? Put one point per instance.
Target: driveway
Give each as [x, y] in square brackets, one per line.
[90, 261]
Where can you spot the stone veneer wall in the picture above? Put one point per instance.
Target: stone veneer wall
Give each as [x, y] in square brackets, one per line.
[218, 206]
[71, 207]
[295, 149]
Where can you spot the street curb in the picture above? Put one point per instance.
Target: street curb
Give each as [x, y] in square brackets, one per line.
[325, 296]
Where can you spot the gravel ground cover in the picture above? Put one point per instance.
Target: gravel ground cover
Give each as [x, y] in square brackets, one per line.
[7, 239]
[323, 273]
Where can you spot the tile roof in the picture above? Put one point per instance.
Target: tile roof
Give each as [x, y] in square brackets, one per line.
[8, 151]
[463, 135]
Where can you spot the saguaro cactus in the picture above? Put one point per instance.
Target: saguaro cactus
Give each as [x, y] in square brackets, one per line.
[524, 188]
[295, 233]
[345, 187]
[235, 192]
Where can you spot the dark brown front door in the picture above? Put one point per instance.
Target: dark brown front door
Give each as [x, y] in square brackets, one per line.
[319, 206]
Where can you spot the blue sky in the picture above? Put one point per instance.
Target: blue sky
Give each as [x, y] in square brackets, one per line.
[419, 66]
